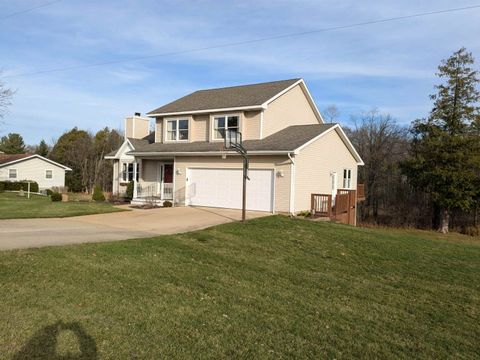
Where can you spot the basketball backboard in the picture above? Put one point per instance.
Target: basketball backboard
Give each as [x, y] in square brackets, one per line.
[233, 139]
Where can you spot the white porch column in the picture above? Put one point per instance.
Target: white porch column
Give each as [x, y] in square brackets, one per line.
[135, 184]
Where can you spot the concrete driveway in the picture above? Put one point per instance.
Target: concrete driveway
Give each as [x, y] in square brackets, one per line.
[30, 233]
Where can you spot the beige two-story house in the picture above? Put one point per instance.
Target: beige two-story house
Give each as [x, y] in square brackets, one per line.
[292, 152]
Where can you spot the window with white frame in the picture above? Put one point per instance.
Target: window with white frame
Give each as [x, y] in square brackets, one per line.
[176, 130]
[127, 173]
[347, 178]
[223, 123]
[48, 174]
[12, 173]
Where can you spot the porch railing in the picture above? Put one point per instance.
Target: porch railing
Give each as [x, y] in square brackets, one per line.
[168, 191]
[144, 191]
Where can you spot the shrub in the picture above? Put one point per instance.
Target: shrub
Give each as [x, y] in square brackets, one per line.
[2, 186]
[471, 230]
[130, 190]
[49, 192]
[56, 196]
[19, 185]
[167, 204]
[98, 194]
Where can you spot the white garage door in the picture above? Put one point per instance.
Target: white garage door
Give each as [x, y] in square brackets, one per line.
[223, 188]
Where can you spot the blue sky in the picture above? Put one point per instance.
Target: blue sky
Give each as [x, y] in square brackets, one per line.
[389, 66]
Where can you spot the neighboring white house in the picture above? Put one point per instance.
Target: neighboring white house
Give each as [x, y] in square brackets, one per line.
[292, 152]
[18, 167]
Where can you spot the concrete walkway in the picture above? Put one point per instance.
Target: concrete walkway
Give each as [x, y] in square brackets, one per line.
[30, 233]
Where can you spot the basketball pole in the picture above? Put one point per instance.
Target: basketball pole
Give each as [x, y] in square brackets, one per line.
[244, 190]
[238, 147]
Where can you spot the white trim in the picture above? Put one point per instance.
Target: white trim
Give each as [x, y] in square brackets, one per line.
[342, 135]
[291, 205]
[177, 119]
[66, 168]
[261, 124]
[120, 150]
[276, 96]
[175, 113]
[225, 115]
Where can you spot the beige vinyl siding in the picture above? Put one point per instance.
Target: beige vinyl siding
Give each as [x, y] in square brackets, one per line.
[315, 163]
[34, 169]
[158, 129]
[200, 128]
[148, 172]
[291, 108]
[251, 125]
[278, 163]
[137, 127]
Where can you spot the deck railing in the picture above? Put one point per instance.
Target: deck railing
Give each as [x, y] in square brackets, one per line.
[360, 192]
[321, 205]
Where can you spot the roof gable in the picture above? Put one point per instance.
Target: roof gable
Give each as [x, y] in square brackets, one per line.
[6, 159]
[234, 97]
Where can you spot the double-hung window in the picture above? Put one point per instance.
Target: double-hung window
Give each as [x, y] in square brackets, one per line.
[347, 178]
[223, 123]
[12, 173]
[177, 130]
[48, 174]
[127, 173]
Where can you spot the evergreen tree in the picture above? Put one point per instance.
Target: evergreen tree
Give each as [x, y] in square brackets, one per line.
[445, 153]
[12, 144]
[42, 149]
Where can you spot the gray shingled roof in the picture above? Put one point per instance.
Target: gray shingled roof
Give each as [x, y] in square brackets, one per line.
[287, 139]
[228, 97]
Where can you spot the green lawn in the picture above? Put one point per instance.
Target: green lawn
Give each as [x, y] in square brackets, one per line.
[13, 206]
[271, 288]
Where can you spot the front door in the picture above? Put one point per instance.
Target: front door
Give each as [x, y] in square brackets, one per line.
[168, 173]
[167, 183]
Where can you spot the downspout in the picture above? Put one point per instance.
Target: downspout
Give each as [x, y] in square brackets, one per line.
[292, 184]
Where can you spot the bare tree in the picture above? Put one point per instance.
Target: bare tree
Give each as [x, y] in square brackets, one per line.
[382, 144]
[331, 113]
[5, 98]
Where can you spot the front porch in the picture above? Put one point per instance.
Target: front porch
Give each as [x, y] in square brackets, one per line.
[153, 184]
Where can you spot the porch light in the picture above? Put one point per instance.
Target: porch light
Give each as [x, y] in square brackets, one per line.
[178, 172]
[280, 173]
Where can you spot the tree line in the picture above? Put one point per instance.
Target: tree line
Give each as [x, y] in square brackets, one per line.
[84, 152]
[426, 175]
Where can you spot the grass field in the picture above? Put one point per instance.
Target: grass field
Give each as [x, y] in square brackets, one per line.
[271, 288]
[13, 206]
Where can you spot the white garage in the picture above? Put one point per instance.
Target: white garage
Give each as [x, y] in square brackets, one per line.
[223, 188]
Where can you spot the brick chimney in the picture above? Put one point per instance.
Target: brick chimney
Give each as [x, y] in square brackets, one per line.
[136, 126]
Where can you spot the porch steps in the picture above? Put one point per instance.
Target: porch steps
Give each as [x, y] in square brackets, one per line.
[149, 201]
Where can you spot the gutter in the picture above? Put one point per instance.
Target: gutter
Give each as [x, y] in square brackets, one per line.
[292, 184]
[205, 153]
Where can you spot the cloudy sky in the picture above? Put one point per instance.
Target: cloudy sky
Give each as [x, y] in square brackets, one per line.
[389, 66]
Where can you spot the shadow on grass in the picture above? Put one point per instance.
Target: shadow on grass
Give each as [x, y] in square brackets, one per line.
[43, 344]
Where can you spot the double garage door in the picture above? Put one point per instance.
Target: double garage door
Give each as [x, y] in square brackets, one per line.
[223, 188]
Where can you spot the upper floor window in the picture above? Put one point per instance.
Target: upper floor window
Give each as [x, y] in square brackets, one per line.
[176, 130]
[12, 173]
[48, 174]
[347, 178]
[223, 123]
